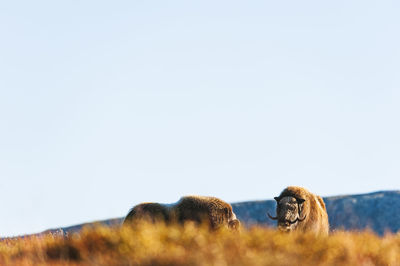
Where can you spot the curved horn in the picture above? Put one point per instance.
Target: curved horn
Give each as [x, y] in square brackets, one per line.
[298, 219]
[271, 217]
[302, 219]
[300, 200]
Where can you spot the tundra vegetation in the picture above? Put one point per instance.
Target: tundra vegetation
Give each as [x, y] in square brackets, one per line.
[161, 244]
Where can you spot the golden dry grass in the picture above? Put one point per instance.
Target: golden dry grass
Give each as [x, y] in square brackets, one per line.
[159, 244]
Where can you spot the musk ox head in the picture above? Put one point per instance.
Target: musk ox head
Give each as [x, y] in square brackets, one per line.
[289, 211]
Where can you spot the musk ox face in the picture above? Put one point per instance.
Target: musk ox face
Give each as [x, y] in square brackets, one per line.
[288, 211]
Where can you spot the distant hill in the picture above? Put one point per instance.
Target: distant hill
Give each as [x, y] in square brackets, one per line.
[378, 211]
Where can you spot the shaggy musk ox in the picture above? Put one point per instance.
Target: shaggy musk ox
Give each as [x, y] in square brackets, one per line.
[298, 209]
[199, 209]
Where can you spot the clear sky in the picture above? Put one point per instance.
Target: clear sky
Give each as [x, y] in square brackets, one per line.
[106, 104]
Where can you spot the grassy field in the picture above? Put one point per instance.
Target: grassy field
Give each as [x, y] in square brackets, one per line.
[190, 245]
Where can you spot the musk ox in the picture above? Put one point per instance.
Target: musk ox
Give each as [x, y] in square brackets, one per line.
[199, 209]
[298, 209]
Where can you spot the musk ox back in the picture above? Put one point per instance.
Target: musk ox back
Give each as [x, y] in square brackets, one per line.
[199, 209]
[150, 212]
[298, 209]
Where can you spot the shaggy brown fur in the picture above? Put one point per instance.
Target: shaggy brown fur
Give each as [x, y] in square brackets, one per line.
[198, 209]
[299, 209]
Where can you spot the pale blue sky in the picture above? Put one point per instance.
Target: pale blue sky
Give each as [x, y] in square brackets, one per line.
[105, 104]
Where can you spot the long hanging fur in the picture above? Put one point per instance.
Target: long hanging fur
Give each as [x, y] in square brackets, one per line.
[199, 209]
[313, 209]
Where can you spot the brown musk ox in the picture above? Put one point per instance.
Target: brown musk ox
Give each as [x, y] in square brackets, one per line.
[298, 209]
[199, 209]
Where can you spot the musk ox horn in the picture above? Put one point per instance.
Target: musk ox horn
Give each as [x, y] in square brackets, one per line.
[271, 217]
[298, 220]
[300, 200]
[302, 219]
